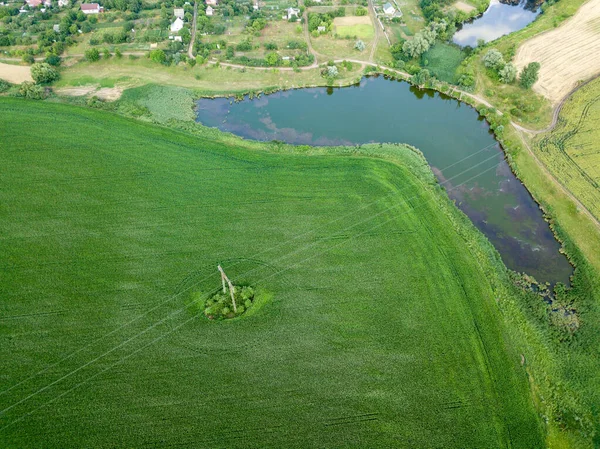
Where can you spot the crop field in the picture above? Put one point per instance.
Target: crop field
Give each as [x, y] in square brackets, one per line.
[379, 326]
[571, 150]
[359, 27]
[567, 54]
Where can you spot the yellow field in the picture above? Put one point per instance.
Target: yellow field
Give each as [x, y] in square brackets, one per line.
[572, 150]
[567, 54]
[15, 74]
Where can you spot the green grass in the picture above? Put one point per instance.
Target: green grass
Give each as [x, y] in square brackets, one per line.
[359, 31]
[382, 328]
[163, 102]
[571, 149]
[443, 60]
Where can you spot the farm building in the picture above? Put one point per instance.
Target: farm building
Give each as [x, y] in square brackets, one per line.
[177, 25]
[209, 11]
[292, 12]
[179, 12]
[388, 9]
[91, 8]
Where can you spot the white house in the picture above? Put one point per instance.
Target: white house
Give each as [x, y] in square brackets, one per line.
[177, 25]
[388, 9]
[90, 8]
[292, 12]
[209, 11]
[178, 39]
[321, 29]
[63, 3]
[179, 12]
[211, 2]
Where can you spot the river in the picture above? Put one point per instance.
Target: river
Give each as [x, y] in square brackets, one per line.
[453, 137]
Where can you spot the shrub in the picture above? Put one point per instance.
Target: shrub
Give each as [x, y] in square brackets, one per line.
[158, 56]
[92, 55]
[508, 73]
[32, 91]
[4, 86]
[247, 303]
[361, 11]
[360, 45]
[28, 59]
[53, 60]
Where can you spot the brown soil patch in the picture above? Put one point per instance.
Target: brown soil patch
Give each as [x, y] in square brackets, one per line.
[15, 74]
[567, 54]
[462, 6]
[105, 93]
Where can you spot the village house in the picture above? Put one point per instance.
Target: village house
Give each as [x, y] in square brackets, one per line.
[179, 12]
[91, 8]
[211, 2]
[33, 3]
[209, 10]
[63, 3]
[388, 9]
[292, 12]
[321, 29]
[177, 25]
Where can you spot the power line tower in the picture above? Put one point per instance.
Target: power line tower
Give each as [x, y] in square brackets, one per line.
[224, 279]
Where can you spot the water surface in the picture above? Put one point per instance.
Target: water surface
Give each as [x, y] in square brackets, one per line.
[455, 140]
[499, 19]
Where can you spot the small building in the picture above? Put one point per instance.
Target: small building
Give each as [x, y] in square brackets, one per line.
[209, 11]
[179, 12]
[56, 28]
[321, 29]
[178, 39]
[177, 25]
[292, 12]
[63, 3]
[255, 6]
[388, 9]
[91, 8]
[33, 3]
[211, 2]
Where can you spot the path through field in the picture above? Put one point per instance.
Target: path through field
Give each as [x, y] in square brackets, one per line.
[15, 74]
[567, 54]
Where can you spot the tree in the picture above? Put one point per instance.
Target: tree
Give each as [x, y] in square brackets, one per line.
[360, 45]
[106, 53]
[332, 71]
[92, 55]
[158, 56]
[421, 77]
[529, 75]
[42, 73]
[118, 53]
[508, 73]
[493, 59]
[361, 11]
[416, 47]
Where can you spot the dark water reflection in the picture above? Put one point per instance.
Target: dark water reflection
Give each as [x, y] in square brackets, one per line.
[499, 19]
[454, 138]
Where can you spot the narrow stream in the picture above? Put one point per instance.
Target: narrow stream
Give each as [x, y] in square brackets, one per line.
[455, 140]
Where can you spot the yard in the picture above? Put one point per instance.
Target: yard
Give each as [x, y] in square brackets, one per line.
[354, 27]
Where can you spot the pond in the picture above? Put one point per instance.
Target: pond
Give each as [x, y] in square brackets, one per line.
[499, 19]
[453, 137]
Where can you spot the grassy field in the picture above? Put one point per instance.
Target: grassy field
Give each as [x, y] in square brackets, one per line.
[443, 60]
[358, 27]
[382, 330]
[571, 149]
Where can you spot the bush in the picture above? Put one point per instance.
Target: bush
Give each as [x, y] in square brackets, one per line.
[53, 60]
[361, 11]
[529, 75]
[32, 91]
[92, 55]
[360, 45]
[4, 86]
[43, 73]
[493, 59]
[158, 56]
[28, 59]
[508, 73]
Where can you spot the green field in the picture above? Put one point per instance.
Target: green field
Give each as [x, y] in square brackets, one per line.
[443, 60]
[570, 150]
[382, 327]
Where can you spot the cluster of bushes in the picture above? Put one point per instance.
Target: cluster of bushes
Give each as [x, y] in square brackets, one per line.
[220, 306]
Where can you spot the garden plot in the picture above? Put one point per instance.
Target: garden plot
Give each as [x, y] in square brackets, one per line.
[567, 54]
[15, 74]
[359, 27]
